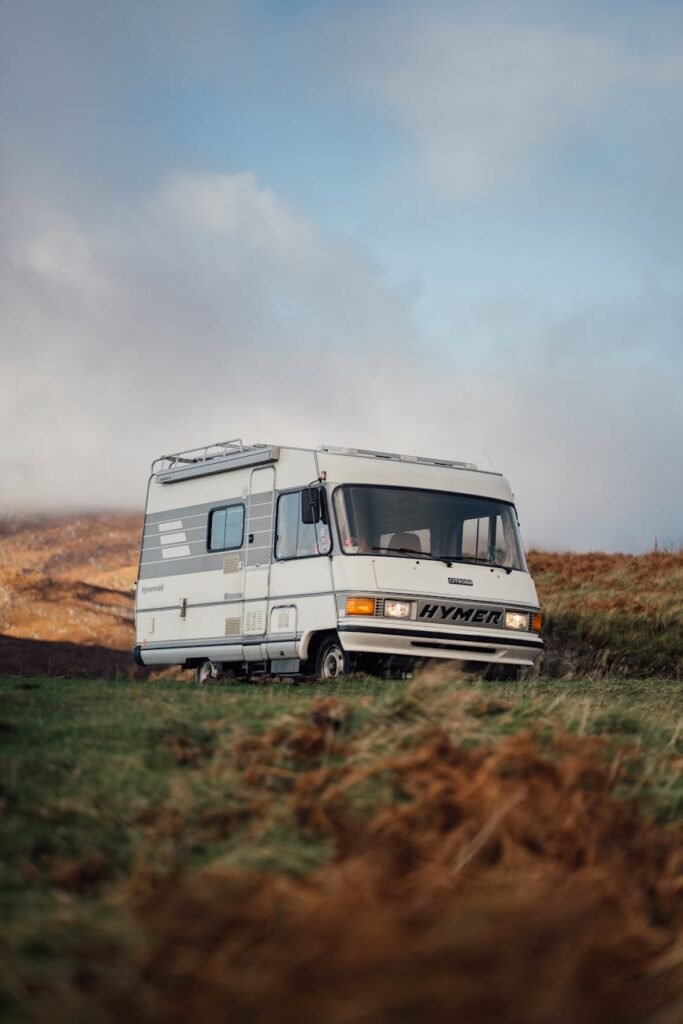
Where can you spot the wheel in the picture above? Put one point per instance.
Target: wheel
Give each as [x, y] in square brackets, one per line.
[205, 672]
[331, 661]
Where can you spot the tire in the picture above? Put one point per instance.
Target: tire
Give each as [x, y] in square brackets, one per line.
[205, 672]
[331, 660]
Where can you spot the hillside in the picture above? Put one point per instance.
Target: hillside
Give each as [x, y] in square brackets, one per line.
[67, 593]
[66, 602]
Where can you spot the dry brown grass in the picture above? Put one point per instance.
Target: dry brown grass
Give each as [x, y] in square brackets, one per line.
[500, 883]
[607, 583]
[611, 614]
[67, 594]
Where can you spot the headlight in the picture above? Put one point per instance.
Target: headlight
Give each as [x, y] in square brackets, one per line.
[516, 620]
[397, 609]
[360, 606]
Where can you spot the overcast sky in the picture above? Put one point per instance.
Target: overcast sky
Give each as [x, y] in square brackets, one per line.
[448, 229]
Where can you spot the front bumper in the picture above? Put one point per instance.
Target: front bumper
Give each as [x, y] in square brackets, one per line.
[497, 647]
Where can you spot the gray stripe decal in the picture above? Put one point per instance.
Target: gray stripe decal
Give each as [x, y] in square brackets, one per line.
[178, 566]
[264, 498]
[194, 522]
[256, 559]
[155, 518]
[259, 508]
[154, 534]
[197, 563]
[197, 547]
[248, 640]
[197, 550]
[274, 602]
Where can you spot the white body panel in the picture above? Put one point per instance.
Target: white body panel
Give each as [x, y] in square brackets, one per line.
[242, 604]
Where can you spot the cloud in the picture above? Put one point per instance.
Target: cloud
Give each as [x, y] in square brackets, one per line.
[493, 93]
[233, 209]
[213, 309]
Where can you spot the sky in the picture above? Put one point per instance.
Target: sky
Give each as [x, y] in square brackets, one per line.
[448, 229]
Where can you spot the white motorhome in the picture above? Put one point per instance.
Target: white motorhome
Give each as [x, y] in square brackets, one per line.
[261, 558]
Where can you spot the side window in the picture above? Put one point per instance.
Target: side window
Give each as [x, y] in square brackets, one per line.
[302, 527]
[226, 528]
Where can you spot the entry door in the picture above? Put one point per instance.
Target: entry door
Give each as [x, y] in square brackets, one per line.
[259, 550]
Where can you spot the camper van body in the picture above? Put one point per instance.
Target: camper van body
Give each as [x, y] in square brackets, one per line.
[259, 557]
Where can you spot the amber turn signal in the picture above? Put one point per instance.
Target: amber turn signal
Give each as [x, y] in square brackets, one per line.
[537, 622]
[360, 606]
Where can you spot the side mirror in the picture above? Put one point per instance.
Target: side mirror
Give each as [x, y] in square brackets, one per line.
[310, 505]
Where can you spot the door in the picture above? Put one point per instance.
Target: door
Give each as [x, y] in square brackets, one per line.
[301, 590]
[259, 552]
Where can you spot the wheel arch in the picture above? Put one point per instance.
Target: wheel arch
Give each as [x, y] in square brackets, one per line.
[311, 642]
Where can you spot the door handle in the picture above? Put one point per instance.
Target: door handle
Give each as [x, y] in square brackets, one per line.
[251, 538]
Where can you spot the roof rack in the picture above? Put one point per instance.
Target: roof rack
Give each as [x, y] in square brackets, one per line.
[395, 457]
[211, 458]
[233, 454]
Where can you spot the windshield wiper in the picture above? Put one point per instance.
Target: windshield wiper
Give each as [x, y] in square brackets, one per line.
[446, 559]
[405, 551]
[420, 554]
[472, 560]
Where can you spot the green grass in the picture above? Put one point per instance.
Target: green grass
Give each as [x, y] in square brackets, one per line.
[107, 785]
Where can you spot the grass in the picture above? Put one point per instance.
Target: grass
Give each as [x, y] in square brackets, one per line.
[614, 614]
[87, 767]
[110, 789]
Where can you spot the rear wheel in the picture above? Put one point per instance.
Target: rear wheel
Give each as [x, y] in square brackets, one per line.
[331, 660]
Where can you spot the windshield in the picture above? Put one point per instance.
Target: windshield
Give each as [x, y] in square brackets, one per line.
[404, 522]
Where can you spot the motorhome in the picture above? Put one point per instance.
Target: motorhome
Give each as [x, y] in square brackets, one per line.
[263, 558]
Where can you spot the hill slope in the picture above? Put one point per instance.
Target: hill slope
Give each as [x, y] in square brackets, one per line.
[69, 580]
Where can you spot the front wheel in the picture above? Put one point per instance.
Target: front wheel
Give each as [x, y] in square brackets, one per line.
[205, 672]
[331, 661]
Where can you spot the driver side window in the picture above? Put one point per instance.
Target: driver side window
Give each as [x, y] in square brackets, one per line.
[302, 529]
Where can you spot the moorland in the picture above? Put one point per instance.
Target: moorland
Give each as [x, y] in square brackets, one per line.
[365, 851]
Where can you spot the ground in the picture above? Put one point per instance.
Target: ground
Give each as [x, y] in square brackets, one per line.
[367, 851]
[385, 852]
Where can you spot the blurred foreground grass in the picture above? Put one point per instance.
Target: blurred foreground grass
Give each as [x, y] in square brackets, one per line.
[110, 789]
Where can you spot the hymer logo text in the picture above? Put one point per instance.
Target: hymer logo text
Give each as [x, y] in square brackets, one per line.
[458, 613]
